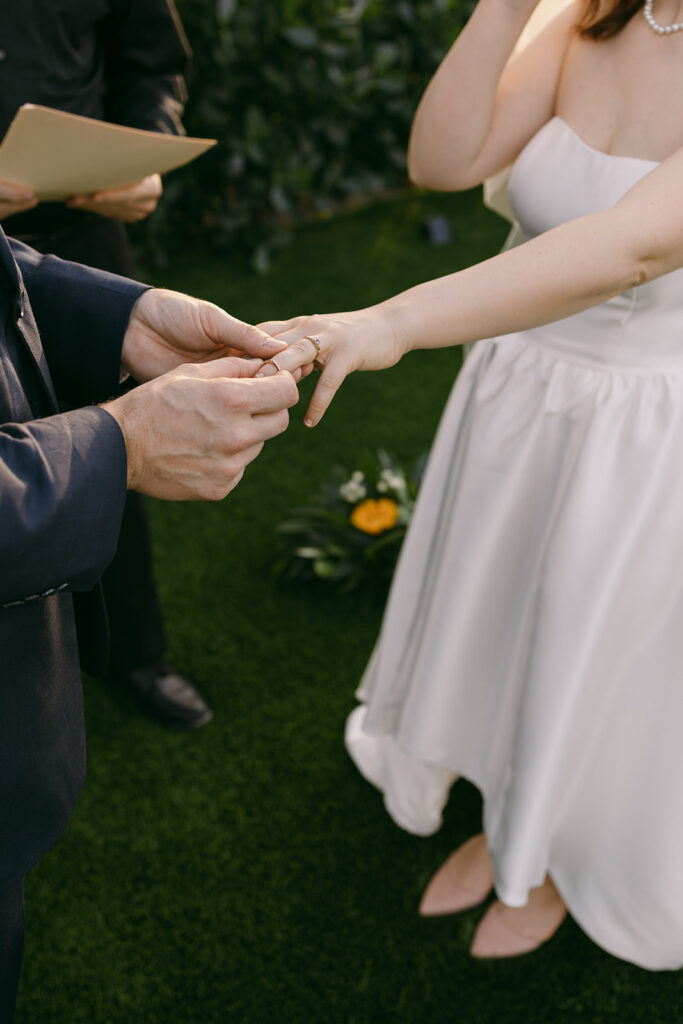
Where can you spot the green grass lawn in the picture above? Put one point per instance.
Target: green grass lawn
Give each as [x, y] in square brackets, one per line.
[247, 873]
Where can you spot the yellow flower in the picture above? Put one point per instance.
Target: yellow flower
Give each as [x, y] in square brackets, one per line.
[375, 516]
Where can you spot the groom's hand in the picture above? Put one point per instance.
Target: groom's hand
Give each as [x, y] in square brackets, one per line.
[167, 329]
[190, 433]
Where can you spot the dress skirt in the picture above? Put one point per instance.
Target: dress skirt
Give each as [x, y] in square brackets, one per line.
[533, 639]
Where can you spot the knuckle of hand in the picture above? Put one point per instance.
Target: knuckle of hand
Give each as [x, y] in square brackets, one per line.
[210, 490]
[234, 397]
[283, 421]
[232, 466]
[236, 441]
[233, 482]
[213, 491]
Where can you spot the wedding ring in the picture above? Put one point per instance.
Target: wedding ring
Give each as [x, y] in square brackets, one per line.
[316, 342]
[274, 362]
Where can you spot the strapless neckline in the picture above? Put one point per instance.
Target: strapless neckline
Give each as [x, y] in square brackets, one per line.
[558, 177]
[601, 152]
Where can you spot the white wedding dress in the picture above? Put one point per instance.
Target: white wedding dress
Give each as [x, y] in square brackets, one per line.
[533, 639]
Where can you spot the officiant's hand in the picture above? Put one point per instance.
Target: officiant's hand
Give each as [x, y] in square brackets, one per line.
[130, 203]
[167, 329]
[15, 199]
[367, 339]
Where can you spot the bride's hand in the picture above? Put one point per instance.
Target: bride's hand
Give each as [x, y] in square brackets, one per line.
[363, 340]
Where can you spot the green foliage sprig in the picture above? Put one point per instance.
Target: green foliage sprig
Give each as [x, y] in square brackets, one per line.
[311, 101]
[352, 532]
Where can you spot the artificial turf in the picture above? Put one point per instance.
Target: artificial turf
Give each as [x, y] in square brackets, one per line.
[246, 873]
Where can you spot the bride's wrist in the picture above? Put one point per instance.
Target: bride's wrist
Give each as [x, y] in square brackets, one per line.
[395, 323]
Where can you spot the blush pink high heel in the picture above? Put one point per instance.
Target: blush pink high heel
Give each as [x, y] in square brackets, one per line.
[462, 881]
[512, 931]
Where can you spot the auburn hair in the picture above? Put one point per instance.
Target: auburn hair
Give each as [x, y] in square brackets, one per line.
[603, 20]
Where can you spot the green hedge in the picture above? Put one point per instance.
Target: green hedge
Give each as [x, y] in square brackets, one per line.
[311, 101]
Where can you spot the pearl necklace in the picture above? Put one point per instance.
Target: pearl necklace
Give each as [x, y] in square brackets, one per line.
[661, 30]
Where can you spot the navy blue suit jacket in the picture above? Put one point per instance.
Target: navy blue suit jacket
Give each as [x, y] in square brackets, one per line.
[62, 490]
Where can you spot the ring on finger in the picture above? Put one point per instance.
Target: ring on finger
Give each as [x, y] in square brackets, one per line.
[316, 342]
[273, 362]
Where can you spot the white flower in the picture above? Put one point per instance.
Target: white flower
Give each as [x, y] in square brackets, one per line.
[392, 481]
[382, 487]
[353, 490]
[308, 552]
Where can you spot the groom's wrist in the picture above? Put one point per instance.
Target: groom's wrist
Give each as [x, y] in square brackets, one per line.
[120, 410]
[130, 349]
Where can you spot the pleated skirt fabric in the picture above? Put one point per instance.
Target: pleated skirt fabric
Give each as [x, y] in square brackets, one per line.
[533, 638]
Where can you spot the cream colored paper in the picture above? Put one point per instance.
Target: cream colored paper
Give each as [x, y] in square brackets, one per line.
[495, 187]
[60, 155]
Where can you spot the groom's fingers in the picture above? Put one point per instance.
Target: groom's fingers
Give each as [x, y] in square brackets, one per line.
[276, 327]
[269, 395]
[300, 353]
[225, 366]
[250, 395]
[227, 330]
[269, 424]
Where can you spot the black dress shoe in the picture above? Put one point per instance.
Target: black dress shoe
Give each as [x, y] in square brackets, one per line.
[169, 696]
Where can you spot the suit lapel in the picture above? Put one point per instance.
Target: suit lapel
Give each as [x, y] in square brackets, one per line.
[24, 320]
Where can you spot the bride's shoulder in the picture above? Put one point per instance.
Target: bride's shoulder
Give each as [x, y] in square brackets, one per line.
[557, 19]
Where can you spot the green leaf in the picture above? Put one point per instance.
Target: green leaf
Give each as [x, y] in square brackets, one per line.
[301, 36]
[310, 103]
[323, 568]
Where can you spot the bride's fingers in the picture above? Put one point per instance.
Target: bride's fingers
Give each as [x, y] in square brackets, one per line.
[302, 371]
[330, 381]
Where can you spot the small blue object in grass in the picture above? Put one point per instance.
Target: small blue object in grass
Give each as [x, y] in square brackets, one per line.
[438, 229]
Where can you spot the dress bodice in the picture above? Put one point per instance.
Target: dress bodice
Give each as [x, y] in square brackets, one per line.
[558, 177]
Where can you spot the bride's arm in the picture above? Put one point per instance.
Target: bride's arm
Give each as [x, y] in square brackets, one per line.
[561, 272]
[479, 110]
[576, 265]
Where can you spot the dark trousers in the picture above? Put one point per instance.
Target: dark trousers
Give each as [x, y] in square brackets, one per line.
[135, 618]
[11, 947]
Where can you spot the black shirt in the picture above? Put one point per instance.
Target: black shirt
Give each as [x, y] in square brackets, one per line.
[117, 60]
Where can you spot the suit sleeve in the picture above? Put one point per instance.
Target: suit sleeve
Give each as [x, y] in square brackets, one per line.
[146, 61]
[82, 315]
[63, 477]
[62, 491]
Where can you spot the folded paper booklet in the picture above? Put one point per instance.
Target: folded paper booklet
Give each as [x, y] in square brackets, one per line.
[60, 155]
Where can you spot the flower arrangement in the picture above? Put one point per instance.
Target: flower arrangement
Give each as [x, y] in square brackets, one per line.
[352, 532]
